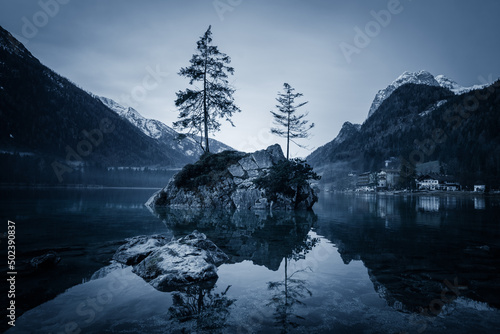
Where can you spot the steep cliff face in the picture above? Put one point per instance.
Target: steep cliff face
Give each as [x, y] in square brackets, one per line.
[227, 181]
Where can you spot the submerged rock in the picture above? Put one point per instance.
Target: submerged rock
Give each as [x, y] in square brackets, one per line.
[49, 260]
[227, 181]
[105, 271]
[191, 259]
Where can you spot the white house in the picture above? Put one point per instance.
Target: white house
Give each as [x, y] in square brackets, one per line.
[437, 182]
[481, 188]
[427, 182]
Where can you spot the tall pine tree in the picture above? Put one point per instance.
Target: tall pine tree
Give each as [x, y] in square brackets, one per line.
[290, 125]
[201, 108]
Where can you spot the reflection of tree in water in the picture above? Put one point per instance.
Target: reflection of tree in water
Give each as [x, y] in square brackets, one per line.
[289, 292]
[207, 309]
[259, 236]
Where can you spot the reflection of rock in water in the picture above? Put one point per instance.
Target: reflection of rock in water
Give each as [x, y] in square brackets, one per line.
[258, 236]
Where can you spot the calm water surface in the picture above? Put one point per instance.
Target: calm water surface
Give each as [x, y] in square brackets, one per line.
[358, 264]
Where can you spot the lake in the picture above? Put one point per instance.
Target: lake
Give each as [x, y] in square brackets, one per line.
[360, 263]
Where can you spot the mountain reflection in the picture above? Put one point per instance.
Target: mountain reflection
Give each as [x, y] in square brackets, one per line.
[258, 236]
[419, 248]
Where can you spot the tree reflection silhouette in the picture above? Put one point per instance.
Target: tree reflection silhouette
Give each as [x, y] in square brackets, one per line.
[289, 292]
[200, 304]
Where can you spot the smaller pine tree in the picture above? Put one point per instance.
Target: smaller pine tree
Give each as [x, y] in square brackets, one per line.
[290, 125]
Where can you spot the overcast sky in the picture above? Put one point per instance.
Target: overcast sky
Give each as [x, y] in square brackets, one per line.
[337, 53]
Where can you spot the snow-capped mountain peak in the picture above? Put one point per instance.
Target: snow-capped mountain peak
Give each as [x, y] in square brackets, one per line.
[419, 78]
[150, 127]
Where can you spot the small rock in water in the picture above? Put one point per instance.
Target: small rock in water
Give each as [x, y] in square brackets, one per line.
[49, 260]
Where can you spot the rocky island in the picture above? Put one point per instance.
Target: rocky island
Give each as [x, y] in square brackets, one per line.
[243, 181]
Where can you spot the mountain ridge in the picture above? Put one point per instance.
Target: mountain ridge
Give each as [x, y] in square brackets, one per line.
[405, 126]
[46, 121]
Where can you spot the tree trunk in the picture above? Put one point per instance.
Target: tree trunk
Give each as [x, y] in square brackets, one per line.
[288, 130]
[288, 141]
[205, 111]
[286, 283]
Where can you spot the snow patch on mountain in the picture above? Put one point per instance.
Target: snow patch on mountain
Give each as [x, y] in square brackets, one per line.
[419, 78]
[434, 107]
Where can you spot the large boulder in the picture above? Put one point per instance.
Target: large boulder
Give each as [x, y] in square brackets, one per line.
[226, 181]
[191, 259]
[138, 248]
[168, 264]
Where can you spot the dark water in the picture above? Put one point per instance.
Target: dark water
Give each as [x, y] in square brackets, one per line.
[358, 264]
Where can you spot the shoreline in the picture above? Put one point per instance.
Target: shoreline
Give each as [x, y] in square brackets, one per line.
[69, 186]
[419, 193]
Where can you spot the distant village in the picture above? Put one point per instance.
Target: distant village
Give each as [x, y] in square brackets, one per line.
[428, 177]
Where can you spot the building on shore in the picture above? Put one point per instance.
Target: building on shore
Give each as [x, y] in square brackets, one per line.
[479, 188]
[366, 181]
[437, 182]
